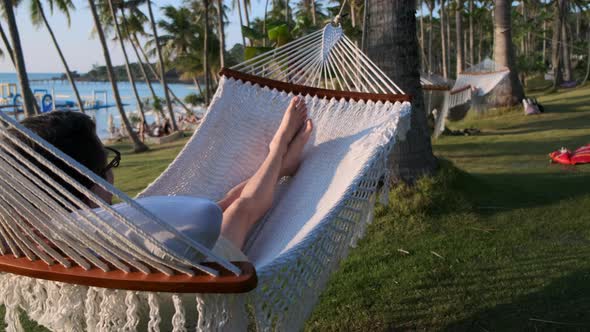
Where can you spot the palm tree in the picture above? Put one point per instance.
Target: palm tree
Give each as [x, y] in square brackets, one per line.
[184, 40]
[247, 6]
[130, 27]
[422, 48]
[134, 26]
[138, 145]
[146, 61]
[238, 3]
[443, 40]
[10, 53]
[162, 69]
[430, 4]
[287, 12]
[127, 66]
[393, 45]
[558, 11]
[220, 32]
[459, 31]
[471, 40]
[504, 53]
[587, 61]
[565, 42]
[206, 51]
[449, 39]
[38, 16]
[29, 103]
[7, 45]
[314, 15]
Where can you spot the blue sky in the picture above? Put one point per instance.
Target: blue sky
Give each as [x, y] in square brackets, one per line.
[82, 51]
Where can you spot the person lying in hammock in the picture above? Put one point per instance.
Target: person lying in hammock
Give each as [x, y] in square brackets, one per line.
[75, 134]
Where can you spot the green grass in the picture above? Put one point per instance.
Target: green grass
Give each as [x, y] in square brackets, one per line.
[513, 231]
[498, 237]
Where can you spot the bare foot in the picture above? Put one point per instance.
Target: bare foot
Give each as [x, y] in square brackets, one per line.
[292, 121]
[292, 158]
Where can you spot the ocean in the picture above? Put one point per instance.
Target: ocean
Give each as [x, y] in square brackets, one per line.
[63, 91]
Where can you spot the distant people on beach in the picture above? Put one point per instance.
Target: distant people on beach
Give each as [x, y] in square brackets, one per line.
[188, 122]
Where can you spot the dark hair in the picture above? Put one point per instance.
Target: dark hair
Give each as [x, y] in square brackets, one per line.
[74, 134]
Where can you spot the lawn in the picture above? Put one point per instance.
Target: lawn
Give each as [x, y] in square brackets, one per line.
[497, 241]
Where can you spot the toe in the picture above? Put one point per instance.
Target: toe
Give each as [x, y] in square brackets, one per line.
[308, 126]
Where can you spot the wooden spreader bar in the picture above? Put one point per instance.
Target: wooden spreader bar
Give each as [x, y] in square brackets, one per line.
[313, 91]
[226, 282]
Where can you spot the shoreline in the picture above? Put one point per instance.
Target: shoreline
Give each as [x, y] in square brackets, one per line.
[87, 80]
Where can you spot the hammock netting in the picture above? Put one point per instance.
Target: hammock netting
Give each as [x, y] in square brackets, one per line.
[318, 214]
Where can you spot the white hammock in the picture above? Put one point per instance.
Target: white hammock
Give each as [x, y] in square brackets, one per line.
[317, 214]
[472, 84]
[483, 77]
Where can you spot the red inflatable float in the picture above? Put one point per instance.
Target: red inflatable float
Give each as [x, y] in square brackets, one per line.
[566, 157]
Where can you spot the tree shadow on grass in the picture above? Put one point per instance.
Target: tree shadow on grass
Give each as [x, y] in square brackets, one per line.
[563, 305]
[493, 193]
[518, 173]
[538, 124]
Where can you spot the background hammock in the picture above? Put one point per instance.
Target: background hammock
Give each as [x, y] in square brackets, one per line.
[358, 114]
[474, 88]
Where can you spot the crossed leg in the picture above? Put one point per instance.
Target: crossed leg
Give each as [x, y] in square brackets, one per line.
[246, 203]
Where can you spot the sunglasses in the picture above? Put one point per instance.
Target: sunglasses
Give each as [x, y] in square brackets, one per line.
[114, 163]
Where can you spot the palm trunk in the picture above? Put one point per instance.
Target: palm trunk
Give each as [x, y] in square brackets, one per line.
[198, 85]
[471, 41]
[156, 75]
[241, 21]
[504, 53]
[264, 24]
[221, 33]
[7, 45]
[352, 12]
[314, 18]
[459, 32]
[443, 40]
[544, 40]
[480, 47]
[29, 102]
[587, 62]
[127, 67]
[365, 20]
[393, 45]
[144, 74]
[246, 14]
[287, 16]
[146, 78]
[430, 9]
[567, 62]
[449, 44]
[62, 58]
[556, 42]
[422, 48]
[138, 145]
[10, 51]
[162, 68]
[523, 41]
[206, 52]
[465, 47]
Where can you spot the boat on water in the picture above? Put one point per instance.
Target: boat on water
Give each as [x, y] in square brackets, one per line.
[11, 100]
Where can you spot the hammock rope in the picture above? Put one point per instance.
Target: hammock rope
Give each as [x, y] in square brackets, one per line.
[325, 59]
